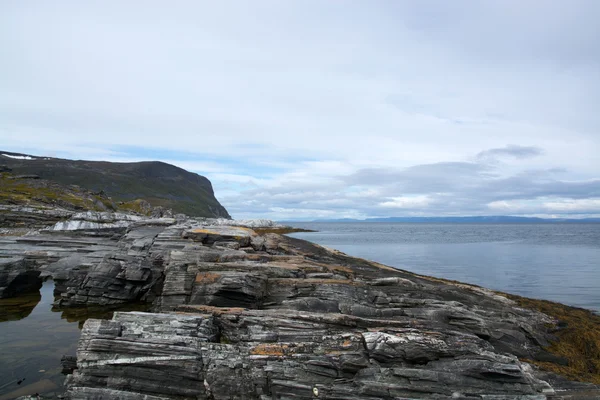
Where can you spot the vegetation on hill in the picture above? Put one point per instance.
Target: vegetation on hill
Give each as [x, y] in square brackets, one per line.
[34, 192]
[158, 183]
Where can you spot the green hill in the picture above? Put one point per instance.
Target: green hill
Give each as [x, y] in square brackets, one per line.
[158, 183]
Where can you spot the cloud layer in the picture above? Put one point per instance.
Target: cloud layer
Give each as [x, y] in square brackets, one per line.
[307, 109]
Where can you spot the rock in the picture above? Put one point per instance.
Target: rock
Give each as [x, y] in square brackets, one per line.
[220, 234]
[18, 275]
[247, 223]
[92, 220]
[161, 212]
[31, 217]
[69, 364]
[285, 353]
[24, 177]
[125, 354]
[241, 315]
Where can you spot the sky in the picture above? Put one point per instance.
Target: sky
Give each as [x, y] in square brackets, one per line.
[314, 109]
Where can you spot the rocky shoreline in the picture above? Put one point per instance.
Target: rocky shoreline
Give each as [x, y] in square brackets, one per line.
[242, 315]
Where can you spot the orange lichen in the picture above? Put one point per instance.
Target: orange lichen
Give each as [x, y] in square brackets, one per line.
[202, 231]
[270, 349]
[206, 278]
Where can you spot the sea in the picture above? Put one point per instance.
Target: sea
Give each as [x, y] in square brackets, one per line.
[551, 261]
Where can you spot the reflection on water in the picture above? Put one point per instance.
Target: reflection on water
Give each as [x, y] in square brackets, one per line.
[32, 342]
[34, 336]
[82, 314]
[18, 308]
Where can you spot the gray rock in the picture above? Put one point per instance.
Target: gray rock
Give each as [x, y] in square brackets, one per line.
[242, 316]
[18, 275]
[31, 217]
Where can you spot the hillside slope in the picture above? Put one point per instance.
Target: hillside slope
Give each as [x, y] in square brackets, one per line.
[159, 183]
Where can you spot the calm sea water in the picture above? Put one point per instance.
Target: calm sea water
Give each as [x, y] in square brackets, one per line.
[559, 262]
[32, 341]
[33, 338]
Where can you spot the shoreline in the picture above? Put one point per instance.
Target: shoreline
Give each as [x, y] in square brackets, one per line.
[578, 339]
[578, 335]
[299, 316]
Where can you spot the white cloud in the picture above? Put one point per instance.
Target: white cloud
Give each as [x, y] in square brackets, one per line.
[548, 206]
[407, 202]
[573, 205]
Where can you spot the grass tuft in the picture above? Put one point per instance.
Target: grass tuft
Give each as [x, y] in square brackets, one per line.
[578, 339]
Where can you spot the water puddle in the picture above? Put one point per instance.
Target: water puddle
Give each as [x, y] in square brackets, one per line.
[33, 338]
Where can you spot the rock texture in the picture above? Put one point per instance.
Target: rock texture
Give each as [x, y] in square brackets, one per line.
[238, 315]
[12, 216]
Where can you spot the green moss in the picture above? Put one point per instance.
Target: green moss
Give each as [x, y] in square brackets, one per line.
[43, 193]
[138, 206]
[224, 340]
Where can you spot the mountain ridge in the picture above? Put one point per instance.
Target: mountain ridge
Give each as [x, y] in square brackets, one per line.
[159, 183]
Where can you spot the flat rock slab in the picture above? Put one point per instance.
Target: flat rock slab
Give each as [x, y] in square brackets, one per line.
[210, 235]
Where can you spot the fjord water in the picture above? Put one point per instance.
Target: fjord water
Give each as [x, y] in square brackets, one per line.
[552, 261]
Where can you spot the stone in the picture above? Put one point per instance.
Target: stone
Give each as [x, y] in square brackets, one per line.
[91, 220]
[68, 363]
[246, 316]
[18, 275]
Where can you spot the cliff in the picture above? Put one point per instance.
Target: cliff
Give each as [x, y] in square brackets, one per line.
[158, 183]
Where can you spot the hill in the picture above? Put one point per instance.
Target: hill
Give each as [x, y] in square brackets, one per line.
[158, 183]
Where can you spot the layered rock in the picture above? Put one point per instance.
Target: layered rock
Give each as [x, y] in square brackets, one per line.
[237, 315]
[15, 216]
[91, 220]
[288, 354]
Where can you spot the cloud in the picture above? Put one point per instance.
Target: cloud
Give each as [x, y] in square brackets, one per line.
[301, 107]
[560, 206]
[590, 206]
[518, 152]
[446, 188]
[415, 202]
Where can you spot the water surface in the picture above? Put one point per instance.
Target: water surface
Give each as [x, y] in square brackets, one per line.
[559, 262]
[32, 342]
[33, 338]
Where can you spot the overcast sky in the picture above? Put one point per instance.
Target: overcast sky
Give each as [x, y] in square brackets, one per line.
[320, 109]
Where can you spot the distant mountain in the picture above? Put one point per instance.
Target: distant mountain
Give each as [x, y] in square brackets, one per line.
[495, 219]
[158, 183]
